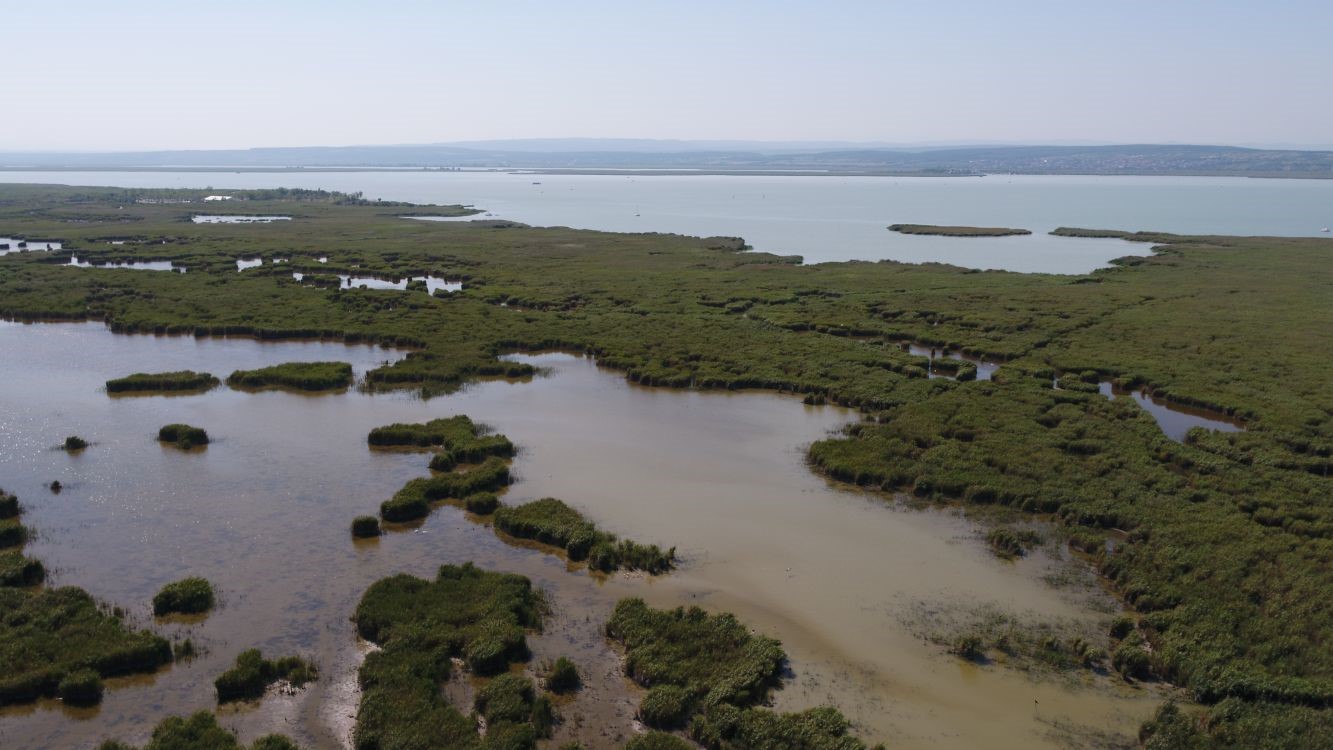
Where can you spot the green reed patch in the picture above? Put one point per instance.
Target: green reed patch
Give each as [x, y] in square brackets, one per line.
[563, 676]
[200, 731]
[156, 382]
[511, 706]
[74, 443]
[183, 436]
[956, 231]
[657, 740]
[478, 616]
[414, 499]
[727, 726]
[551, 521]
[252, 674]
[187, 596]
[459, 440]
[365, 527]
[46, 635]
[300, 376]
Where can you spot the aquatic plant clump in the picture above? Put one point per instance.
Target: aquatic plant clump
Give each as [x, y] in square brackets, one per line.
[81, 688]
[48, 634]
[414, 499]
[551, 521]
[252, 675]
[301, 376]
[458, 438]
[187, 596]
[691, 660]
[365, 527]
[510, 705]
[563, 676]
[467, 613]
[74, 443]
[183, 436]
[200, 731]
[144, 382]
[18, 570]
[12, 533]
[9, 505]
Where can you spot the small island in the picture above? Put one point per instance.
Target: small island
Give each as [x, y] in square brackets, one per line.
[950, 231]
[188, 596]
[253, 674]
[551, 521]
[157, 382]
[183, 436]
[299, 376]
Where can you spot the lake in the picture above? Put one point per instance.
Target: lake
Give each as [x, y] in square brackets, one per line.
[850, 582]
[830, 218]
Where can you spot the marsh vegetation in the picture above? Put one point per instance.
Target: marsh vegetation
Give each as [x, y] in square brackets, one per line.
[183, 436]
[188, 596]
[252, 674]
[551, 521]
[300, 376]
[143, 382]
[956, 231]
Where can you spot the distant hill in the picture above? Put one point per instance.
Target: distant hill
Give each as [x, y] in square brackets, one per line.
[728, 156]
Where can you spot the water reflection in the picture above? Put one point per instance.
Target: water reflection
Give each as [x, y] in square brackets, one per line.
[148, 265]
[235, 219]
[433, 283]
[985, 369]
[14, 245]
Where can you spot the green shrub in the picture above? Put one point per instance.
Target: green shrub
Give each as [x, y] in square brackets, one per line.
[183, 436]
[301, 376]
[81, 688]
[1132, 661]
[563, 677]
[187, 596]
[252, 675]
[506, 698]
[365, 527]
[183, 380]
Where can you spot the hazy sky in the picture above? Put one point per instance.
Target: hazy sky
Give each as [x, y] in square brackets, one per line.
[233, 73]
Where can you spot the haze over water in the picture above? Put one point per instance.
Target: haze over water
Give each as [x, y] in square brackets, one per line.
[825, 218]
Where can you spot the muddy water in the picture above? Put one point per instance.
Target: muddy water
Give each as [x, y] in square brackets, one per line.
[844, 579]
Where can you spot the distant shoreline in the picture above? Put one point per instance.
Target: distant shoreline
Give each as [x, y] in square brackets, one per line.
[653, 172]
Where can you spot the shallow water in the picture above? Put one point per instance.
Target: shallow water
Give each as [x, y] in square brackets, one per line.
[1176, 420]
[985, 368]
[144, 265]
[12, 245]
[846, 580]
[832, 218]
[433, 283]
[235, 219]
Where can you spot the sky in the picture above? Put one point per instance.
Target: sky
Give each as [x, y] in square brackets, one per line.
[132, 75]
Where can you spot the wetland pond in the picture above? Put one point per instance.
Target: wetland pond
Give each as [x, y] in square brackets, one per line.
[848, 581]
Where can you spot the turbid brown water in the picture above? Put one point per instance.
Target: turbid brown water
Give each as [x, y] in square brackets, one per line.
[848, 581]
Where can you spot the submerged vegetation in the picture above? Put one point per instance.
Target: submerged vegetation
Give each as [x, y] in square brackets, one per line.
[300, 376]
[466, 613]
[187, 596]
[551, 521]
[143, 382]
[252, 675]
[183, 436]
[1220, 545]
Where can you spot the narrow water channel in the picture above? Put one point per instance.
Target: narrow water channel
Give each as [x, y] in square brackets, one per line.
[848, 581]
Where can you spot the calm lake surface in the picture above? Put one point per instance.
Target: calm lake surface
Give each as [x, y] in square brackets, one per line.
[849, 581]
[831, 218]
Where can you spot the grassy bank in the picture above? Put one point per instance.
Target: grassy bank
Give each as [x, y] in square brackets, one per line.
[457, 439]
